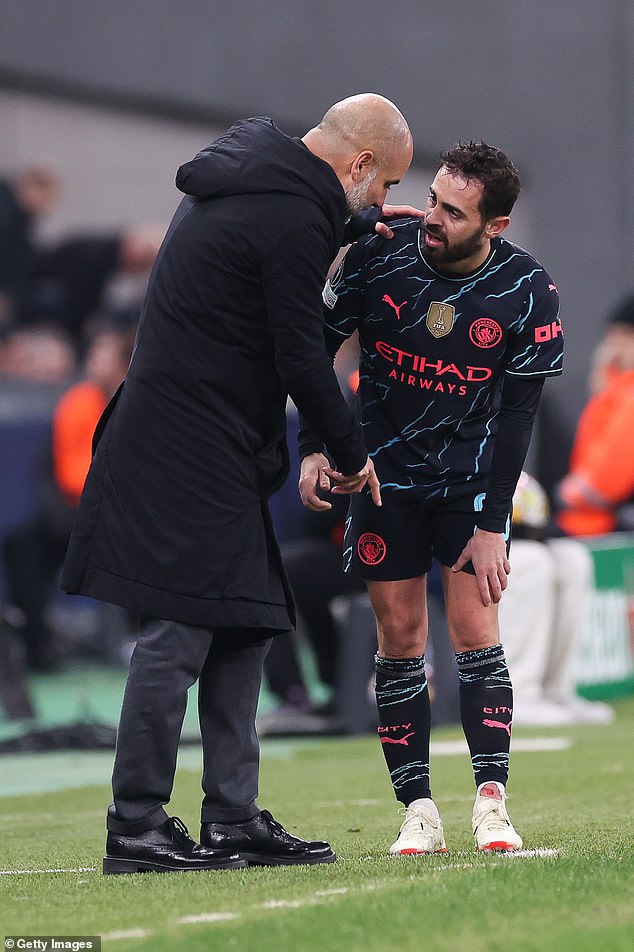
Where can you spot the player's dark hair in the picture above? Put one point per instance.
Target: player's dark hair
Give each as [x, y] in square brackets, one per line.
[492, 168]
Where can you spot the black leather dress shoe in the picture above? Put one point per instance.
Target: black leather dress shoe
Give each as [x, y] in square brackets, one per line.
[263, 841]
[167, 848]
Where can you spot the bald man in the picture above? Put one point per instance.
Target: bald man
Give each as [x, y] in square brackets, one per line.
[173, 522]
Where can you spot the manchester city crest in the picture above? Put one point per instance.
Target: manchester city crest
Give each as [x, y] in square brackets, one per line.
[440, 318]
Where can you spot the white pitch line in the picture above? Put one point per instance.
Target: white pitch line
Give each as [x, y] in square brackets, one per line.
[532, 854]
[126, 934]
[451, 748]
[30, 872]
[537, 853]
[539, 744]
[315, 900]
[209, 917]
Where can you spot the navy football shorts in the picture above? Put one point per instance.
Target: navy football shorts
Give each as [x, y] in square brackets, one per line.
[399, 539]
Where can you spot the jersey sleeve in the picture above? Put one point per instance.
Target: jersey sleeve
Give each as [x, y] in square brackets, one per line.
[520, 400]
[536, 345]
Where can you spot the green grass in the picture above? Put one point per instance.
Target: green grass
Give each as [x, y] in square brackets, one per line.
[576, 802]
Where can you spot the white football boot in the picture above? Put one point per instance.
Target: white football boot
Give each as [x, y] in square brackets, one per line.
[492, 828]
[421, 831]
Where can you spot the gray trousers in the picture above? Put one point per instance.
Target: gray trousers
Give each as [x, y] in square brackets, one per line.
[168, 658]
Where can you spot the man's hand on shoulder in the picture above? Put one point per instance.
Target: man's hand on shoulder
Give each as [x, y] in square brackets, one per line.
[369, 220]
[396, 211]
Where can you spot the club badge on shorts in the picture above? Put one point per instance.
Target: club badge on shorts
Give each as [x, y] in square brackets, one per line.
[371, 548]
[440, 318]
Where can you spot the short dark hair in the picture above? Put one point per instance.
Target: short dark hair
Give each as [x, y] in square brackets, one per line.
[492, 168]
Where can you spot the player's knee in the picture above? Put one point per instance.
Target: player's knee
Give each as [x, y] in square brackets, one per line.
[470, 634]
[473, 643]
[401, 638]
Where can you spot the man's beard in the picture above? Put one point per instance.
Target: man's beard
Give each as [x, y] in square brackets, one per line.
[459, 252]
[357, 195]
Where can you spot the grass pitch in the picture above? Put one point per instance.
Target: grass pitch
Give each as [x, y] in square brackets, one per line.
[571, 889]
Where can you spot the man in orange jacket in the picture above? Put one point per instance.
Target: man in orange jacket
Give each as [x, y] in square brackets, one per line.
[33, 552]
[600, 478]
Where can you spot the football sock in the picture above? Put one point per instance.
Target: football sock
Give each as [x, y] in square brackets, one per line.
[486, 710]
[402, 697]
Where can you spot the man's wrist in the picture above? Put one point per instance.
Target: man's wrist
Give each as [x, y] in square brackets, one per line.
[491, 524]
[309, 449]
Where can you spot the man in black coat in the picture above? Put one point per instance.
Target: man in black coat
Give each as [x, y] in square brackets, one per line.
[33, 193]
[173, 522]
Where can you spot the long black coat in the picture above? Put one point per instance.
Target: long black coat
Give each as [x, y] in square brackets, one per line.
[173, 520]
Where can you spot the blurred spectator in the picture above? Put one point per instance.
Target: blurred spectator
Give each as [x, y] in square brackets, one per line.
[70, 277]
[541, 616]
[314, 566]
[32, 193]
[33, 553]
[40, 354]
[594, 494]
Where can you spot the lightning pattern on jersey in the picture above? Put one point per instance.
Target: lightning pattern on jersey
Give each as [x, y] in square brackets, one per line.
[430, 399]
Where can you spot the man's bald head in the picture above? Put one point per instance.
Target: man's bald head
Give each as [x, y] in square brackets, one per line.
[366, 121]
[367, 141]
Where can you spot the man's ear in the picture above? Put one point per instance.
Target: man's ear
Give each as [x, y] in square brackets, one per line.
[361, 164]
[496, 226]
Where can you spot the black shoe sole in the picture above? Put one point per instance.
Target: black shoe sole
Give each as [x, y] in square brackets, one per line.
[113, 865]
[263, 859]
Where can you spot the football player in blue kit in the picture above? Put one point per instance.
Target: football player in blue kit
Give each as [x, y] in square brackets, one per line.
[458, 329]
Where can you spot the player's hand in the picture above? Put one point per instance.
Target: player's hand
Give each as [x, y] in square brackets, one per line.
[356, 482]
[487, 552]
[313, 476]
[396, 211]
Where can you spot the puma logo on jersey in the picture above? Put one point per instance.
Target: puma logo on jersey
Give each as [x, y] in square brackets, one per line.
[397, 307]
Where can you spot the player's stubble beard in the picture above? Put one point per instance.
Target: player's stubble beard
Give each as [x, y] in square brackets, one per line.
[357, 195]
[459, 252]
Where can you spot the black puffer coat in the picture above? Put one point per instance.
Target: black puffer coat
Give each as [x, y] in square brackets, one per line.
[173, 520]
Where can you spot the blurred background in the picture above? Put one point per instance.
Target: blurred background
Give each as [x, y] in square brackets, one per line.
[101, 102]
[118, 95]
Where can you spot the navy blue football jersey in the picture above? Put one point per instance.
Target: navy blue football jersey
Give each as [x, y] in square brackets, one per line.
[434, 352]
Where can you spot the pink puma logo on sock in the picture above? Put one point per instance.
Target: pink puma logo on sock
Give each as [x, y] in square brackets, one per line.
[397, 740]
[506, 727]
